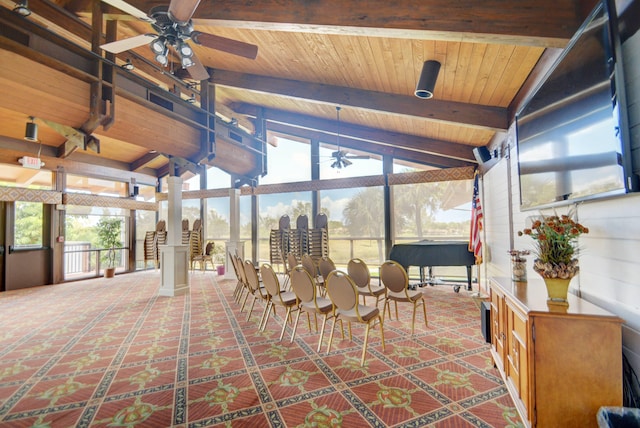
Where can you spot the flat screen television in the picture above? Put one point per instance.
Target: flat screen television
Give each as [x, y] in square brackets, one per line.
[572, 132]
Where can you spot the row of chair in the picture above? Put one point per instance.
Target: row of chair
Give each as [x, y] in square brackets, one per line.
[325, 291]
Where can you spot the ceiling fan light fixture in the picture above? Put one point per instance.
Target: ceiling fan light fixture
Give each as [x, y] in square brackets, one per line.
[158, 46]
[22, 8]
[186, 62]
[184, 49]
[428, 77]
[31, 131]
[128, 65]
[162, 59]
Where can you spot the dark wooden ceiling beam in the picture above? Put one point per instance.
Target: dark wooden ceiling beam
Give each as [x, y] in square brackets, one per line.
[524, 22]
[486, 117]
[411, 142]
[369, 147]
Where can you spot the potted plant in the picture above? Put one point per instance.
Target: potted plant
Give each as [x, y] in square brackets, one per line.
[109, 237]
[556, 242]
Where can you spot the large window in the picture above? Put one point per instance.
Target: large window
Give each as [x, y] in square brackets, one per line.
[28, 229]
[85, 254]
[17, 176]
[287, 162]
[368, 165]
[356, 224]
[273, 207]
[436, 211]
[440, 210]
[96, 186]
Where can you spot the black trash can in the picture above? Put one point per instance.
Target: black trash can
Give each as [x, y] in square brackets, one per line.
[618, 417]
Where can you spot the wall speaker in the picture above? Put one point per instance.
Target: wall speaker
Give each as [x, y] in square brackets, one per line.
[482, 154]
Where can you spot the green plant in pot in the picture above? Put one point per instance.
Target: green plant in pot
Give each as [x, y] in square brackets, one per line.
[556, 242]
[109, 231]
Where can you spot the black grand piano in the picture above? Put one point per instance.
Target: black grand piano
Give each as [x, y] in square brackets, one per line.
[428, 253]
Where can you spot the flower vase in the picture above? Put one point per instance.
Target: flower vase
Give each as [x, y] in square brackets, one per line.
[557, 290]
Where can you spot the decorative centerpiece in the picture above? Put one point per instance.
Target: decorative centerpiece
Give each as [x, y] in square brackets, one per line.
[519, 265]
[556, 241]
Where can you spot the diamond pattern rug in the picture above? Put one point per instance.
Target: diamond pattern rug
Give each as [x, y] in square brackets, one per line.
[112, 353]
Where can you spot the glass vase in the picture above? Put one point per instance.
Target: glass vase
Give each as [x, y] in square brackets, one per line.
[518, 269]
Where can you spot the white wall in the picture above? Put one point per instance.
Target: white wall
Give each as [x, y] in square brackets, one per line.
[609, 254]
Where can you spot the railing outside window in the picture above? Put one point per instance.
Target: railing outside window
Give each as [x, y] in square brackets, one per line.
[82, 261]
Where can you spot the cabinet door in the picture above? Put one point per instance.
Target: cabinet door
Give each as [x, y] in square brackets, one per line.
[498, 326]
[517, 358]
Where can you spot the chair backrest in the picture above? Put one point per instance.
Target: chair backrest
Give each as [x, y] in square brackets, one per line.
[326, 266]
[309, 265]
[251, 275]
[342, 291]
[292, 261]
[393, 276]
[235, 266]
[302, 284]
[359, 272]
[270, 280]
[302, 222]
[208, 250]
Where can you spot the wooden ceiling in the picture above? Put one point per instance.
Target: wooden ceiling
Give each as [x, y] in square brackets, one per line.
[314, 56]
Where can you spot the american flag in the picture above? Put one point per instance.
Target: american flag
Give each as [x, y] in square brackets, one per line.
[475, 240]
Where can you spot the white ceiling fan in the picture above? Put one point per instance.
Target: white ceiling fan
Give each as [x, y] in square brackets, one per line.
[174, 28]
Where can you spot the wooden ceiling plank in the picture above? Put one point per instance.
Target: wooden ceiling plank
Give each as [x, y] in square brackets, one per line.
[472, 115]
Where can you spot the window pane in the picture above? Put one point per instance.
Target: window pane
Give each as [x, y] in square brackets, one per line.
[96, 186]
[218, 220]
[245, 225]
[145, 222]
[356, 224]
[406, 166]
[28, 224]
[359, 167]
[273, 207]
[218, 179]
[438, 211]
[288, 162]
[17, 176]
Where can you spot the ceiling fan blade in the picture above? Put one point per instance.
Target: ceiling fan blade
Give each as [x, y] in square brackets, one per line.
[357, 157]
[125, 44]
[181, 11]
[224, 44]
[131, 10]
[197, 71]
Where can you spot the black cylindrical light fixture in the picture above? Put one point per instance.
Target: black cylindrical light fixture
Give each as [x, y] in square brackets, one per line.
[31, 132]
[428, 77]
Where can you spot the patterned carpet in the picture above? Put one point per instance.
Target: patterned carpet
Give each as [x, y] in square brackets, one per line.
[111, 353]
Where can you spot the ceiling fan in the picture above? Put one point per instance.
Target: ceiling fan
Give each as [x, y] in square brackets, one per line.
[174, 28]
[342, 157]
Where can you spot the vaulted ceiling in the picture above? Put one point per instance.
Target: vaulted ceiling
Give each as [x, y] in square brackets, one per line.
[313, 56]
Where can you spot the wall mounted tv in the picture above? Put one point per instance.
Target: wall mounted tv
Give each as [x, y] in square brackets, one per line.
[573, 133]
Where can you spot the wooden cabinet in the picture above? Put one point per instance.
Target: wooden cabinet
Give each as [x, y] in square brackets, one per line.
[559, 364]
